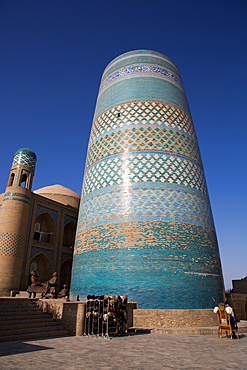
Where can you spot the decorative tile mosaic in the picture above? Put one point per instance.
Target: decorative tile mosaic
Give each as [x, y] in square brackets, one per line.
[52, 213]
[144, 167]
[17, 198]
[137, 58]
[142, 112]
[12, 245]
[183, 238]
[68, 218]
[156, 201]
[24, 158]
[134, 89]
[145, 225]
[143, 138]
[36, 250]
[17, 195]
[65, 256]
[141, 70]
[158, 264]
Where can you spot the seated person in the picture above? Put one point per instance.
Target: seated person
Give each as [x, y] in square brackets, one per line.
[50, 285]
[64, 292]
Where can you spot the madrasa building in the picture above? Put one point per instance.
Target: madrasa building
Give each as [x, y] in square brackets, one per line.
[145, 225]
[37, 229]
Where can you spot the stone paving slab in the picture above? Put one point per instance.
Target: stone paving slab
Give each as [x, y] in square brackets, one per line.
[146, 351]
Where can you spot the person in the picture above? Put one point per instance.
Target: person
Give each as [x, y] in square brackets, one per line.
[233, 321]
[33, 281]
[64, 292]
[230, 312]
[50, 285]
[34, 278]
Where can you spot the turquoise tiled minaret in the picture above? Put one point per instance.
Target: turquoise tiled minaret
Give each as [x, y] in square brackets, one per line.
[145, 226]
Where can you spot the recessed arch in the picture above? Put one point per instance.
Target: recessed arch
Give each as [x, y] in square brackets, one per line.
[23, 181]
[43, 266]
[69, 234]
[44, 228]
[65, 272]
[11, 179]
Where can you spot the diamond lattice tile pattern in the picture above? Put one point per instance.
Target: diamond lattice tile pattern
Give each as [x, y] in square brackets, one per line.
[144, 167]
[144, 138]
[11, 245]
[25, 159]
[142, 112]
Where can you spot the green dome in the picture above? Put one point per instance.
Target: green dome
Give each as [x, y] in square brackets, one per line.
[26, 151]
[25, 156]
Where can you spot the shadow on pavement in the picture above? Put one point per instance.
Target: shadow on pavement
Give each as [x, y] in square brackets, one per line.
[14, 348]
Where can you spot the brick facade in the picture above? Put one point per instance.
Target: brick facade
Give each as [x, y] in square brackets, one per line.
[37, 229]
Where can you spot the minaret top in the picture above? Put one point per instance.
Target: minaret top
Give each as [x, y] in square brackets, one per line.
[26, 157]
[22, 169]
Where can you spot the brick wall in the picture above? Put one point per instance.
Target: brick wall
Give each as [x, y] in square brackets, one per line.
[239, 303]
[174, 318]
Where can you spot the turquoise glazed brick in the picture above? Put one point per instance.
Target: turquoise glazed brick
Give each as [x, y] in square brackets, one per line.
[145, 224]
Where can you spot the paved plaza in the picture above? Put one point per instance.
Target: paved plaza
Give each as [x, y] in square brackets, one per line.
[142, 351]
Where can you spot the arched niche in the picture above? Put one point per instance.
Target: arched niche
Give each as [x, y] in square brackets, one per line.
[43, 266]
[65, 272]
[69, 234]
[11, 178]
[25, 179]
[44, 228]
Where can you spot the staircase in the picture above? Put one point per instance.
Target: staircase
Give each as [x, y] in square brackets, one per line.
[22, 319]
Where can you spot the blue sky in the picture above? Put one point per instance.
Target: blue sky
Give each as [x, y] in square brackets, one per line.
[53, 53]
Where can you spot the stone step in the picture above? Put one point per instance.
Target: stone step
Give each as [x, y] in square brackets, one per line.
[18, 309]
[14, 299]
[21, 319]
[37, 315]
[187, 331]
[19, 325]
[242, 328]
[31, 330]
[26, 320]
[29, 313]
[17, 303]
[39, 335]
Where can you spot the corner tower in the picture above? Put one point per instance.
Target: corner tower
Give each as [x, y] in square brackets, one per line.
[14, 219]
[145, 225]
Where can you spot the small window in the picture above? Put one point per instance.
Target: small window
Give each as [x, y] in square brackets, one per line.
[23, 180]
[37, 234]
[11, 179]
[37, 226]
[44, 228]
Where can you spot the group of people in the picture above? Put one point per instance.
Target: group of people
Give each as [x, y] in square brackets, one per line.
[50, 286]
